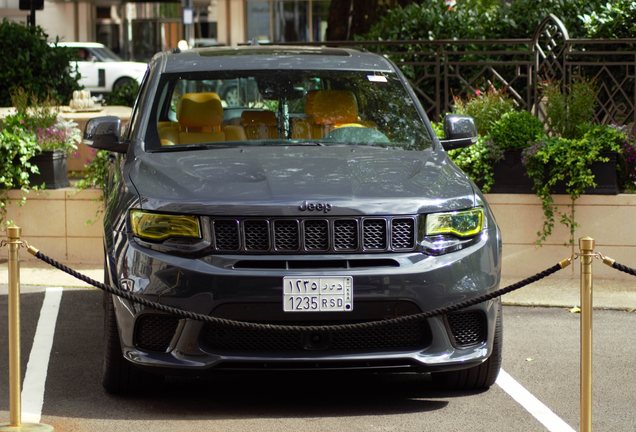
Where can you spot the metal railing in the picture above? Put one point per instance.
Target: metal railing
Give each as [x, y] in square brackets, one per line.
[440, 70]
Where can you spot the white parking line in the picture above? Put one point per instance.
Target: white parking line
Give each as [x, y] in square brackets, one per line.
[38, 365]
[533, 405]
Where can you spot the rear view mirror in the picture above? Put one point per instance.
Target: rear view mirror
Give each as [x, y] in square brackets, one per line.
[104, 133]
[459, 131]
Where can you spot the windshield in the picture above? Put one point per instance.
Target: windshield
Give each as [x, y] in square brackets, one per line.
[285, 108]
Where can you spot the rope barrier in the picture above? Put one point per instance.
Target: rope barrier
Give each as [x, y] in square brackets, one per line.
[292, 328]
[613, 264]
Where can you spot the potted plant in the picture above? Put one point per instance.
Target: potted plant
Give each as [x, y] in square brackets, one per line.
[564, 165]
[479, 160]
[512, 133]
[56, 138]
[56, 142]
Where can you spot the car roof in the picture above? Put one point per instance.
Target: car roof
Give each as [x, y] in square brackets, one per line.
[81, 44]
[272, 57]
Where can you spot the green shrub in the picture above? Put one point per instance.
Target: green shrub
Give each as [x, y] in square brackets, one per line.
[478, 161]
[28, 61]
[516, 130]
[556, 159]
[17, 145]
[569, 111]
[124, 95]
[95, 177]
[35, 111]
[40, 116]
[486, 107]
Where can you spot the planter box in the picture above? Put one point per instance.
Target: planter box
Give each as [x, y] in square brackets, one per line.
[53, 169]
[605, 177]
[510, 176]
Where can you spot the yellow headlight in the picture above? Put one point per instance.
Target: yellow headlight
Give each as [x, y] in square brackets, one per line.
[464, 223]
[154, 226]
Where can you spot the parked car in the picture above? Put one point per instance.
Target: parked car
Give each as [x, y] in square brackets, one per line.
[100, 69]
[326, 199]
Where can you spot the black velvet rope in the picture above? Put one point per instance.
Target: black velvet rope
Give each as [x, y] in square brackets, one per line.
[624, 269]
[292, 328]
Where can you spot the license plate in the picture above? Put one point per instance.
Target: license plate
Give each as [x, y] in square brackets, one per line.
[318, 294]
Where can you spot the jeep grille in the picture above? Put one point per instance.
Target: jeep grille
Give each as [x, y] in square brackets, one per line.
[314, 235]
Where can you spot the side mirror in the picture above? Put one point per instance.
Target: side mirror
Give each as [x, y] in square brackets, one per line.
[459, 130]
[104, 133]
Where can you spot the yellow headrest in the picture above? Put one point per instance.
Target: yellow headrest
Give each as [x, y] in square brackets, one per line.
[335, 107]
[309, 102]
[200, 114]
[259, 118]
[197, 97]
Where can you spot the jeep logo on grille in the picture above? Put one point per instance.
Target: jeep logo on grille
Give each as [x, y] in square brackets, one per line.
[324, 207]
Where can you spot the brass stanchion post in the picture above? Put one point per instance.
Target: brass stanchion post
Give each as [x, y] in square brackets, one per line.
[15, 402]
[586, 246]
[15, 405]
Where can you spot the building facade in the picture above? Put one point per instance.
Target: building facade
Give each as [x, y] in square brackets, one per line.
[136, 30]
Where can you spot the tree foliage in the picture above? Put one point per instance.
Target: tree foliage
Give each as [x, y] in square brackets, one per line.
[124, 95]
[355, 17]
[475, 19]
[28, 61]
[612, 20]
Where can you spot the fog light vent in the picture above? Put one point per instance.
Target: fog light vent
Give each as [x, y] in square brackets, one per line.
[155, 332]
[467, 328]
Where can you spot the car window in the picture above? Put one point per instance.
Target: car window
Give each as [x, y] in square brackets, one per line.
[106, 55]
[286, 107]
[83, 54]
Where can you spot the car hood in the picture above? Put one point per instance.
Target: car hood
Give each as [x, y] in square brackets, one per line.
[287, 180]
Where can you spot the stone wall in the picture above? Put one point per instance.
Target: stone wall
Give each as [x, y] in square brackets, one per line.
[54, 221]
[609, 219]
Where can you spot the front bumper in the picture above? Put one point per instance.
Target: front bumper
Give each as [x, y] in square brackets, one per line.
[385, 286]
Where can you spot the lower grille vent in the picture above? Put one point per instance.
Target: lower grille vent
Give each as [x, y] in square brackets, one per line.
[467, 328]
[404, 335]
[319, 264]
[155, 332]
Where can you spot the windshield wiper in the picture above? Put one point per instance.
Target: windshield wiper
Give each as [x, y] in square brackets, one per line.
[291, 144]
[187, 147]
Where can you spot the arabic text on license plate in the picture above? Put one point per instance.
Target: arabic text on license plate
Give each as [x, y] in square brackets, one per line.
[318, 294]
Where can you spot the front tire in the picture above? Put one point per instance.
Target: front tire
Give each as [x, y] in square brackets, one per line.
[477, 377]
[119, 375]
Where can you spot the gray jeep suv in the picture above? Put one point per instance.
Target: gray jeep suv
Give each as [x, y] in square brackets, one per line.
[319, 196]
